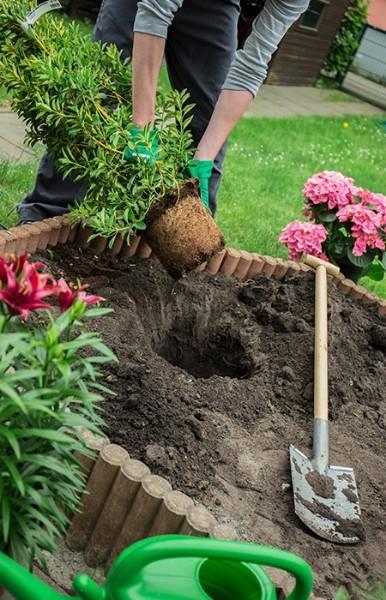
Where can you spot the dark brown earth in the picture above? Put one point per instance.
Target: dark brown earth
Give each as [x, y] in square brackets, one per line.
[322, 485]
[215, 381]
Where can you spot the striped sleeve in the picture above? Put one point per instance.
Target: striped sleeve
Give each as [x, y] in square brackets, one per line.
[250, 65]
[155, 16]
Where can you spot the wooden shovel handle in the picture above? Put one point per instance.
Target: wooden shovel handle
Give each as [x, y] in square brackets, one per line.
[321, 346]
[314, 262]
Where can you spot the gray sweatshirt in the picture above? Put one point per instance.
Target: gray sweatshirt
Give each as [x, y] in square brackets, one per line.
[250, 65]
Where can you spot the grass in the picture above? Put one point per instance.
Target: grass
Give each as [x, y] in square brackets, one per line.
[15, 181]
[341, 97]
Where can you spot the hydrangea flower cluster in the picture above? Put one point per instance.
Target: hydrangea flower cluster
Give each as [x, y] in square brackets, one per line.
[345, 223]
[366, 227]
[24, 286]
[301, 237]
[331, 188]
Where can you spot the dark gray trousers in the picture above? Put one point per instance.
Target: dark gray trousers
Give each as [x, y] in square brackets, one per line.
[200, 46]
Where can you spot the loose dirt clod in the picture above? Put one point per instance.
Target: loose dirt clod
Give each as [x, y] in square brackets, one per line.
[322, 485]
[213, 384]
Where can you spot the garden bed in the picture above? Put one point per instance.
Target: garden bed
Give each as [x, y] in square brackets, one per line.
[214, 382]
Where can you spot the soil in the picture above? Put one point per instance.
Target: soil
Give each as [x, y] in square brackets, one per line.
[323, 486]
[215, 380]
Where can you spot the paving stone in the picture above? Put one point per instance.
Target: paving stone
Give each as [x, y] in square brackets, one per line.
[290, 101]
[12, 131]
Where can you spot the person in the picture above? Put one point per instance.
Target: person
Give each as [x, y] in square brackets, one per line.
[198, 39]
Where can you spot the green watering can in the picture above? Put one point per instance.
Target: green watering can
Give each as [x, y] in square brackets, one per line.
[175, 567]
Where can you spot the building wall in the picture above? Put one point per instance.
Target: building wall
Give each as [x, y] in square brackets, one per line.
[370, 59]
[377, 14]
[301, 54]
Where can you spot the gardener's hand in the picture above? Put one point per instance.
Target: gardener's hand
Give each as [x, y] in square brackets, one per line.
[143, 147]
[202, 170]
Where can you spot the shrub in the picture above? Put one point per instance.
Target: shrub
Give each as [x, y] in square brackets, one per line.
[347, 39]
[75, 96]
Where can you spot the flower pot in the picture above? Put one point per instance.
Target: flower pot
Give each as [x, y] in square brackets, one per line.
[181, 231]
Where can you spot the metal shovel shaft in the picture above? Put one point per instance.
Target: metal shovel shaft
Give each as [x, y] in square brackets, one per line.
[320, 452]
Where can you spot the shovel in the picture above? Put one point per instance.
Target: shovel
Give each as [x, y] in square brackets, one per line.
[325, 497]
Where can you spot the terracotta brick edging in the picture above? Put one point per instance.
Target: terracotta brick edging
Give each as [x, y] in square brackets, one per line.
[230, 262]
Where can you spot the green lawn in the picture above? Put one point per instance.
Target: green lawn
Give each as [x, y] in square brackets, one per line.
[15, 181]
[267, 163]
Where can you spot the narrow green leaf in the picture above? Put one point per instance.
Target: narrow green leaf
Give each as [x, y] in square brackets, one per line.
[14, 473]
[46, 434]
[5, 517]
[98, 312]
[7, 390]
[10, 436]
[22, 375]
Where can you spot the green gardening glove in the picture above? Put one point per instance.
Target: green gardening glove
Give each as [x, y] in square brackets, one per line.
[202, 170]
[142, 146]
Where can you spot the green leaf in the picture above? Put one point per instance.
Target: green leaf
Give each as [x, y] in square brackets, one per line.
[14, 473]
[46, 434]
[140, 225]
[384, 260]
[105, 351]
[52, 464]
[7, 390]
[98, 312]
[10, 436]
[5, 517]
[23, 374]
[327, 217]
[376, 272]
[341, 594]
[363, 261]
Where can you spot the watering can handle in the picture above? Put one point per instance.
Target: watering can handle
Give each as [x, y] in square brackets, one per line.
[141, 554]
[23, 585]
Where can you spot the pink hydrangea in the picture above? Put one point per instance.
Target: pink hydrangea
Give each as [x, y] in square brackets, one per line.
[366, 226]
[307, 238]
[375, 201]
[331, 188]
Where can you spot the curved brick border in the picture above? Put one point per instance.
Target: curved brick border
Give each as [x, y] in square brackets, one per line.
[230, 262]
[123, 501]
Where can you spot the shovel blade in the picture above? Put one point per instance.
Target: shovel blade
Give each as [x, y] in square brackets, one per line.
[327, 502]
